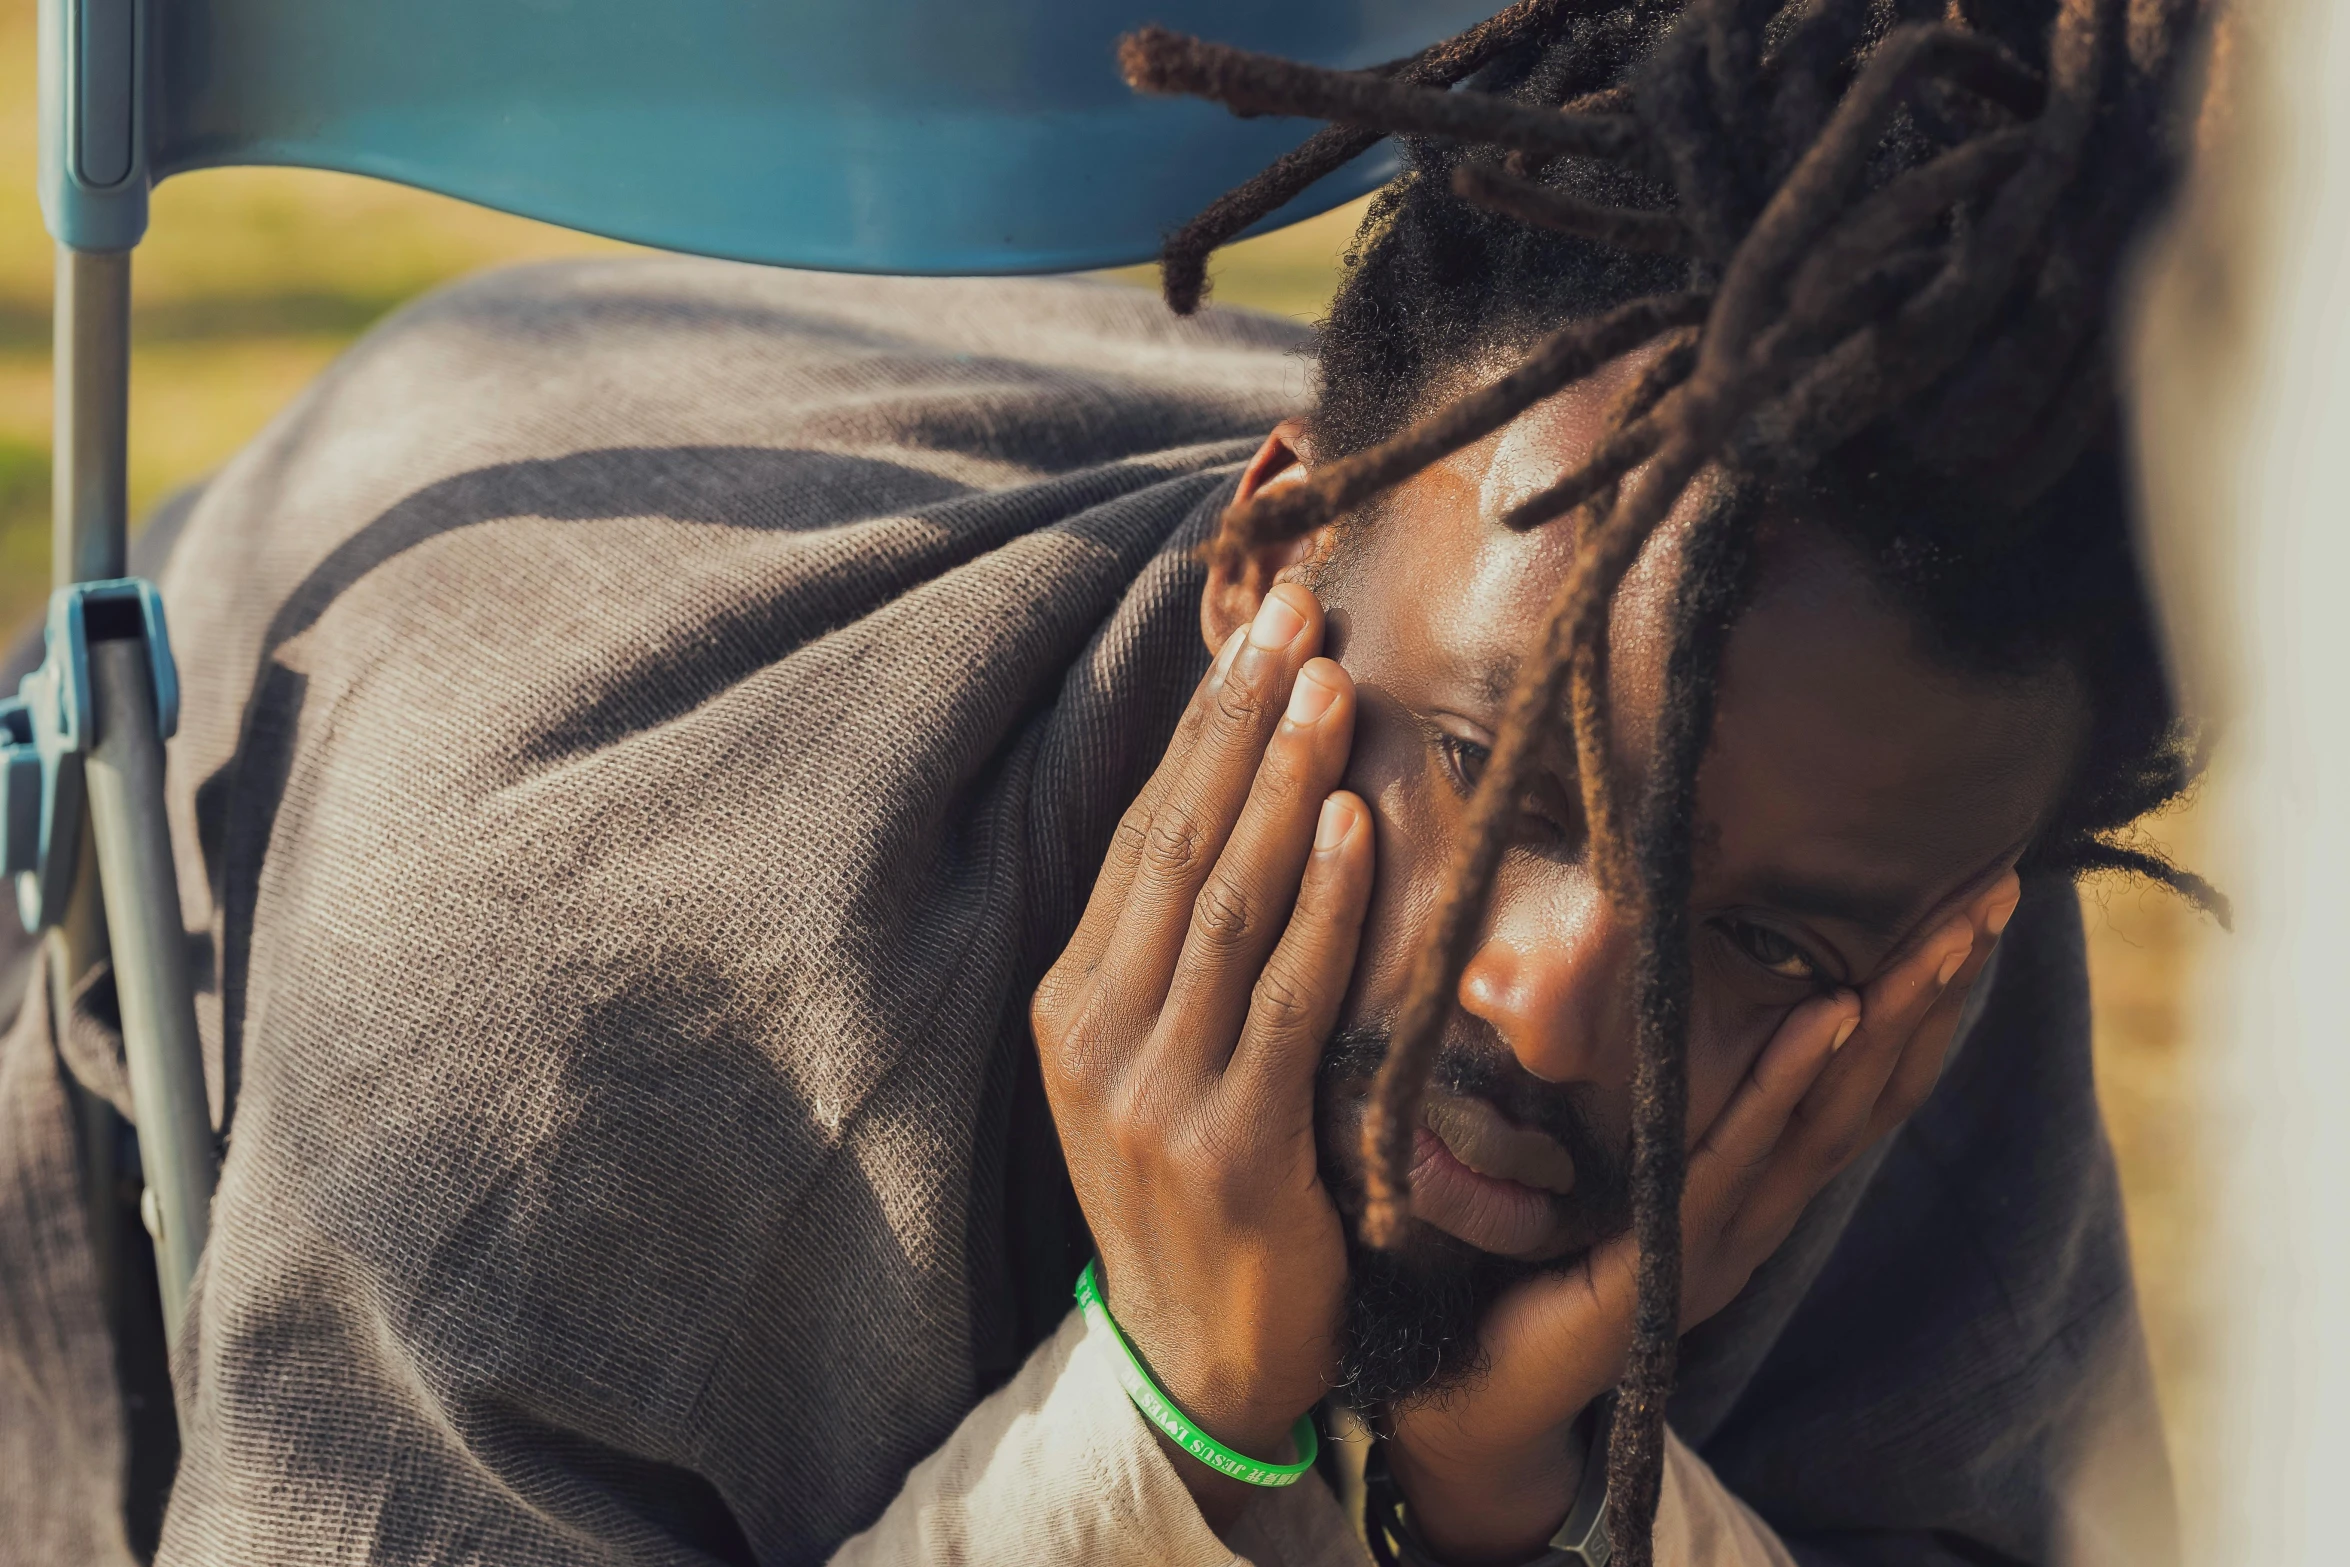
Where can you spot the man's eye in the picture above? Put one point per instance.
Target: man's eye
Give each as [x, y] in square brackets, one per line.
[1772, 950]
[1464, 760]
[1542, 823]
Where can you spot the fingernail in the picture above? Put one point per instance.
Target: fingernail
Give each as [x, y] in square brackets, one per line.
[1310, 698]
[1951, 962]
[1276, 625]
[1337, 818]
[2001, 912]
[1231, 646]
[1843, 1032]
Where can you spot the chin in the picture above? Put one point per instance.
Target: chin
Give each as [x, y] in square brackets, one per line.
[1413, 1314]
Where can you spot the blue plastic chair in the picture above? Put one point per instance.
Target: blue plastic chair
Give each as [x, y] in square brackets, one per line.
[869, 135]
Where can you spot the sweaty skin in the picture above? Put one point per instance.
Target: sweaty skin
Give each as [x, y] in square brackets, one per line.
[1859, 814]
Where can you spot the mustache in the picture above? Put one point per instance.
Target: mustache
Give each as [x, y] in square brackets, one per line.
[1562, 1113]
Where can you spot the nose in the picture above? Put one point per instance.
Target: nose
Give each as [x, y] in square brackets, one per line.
[1551, 980]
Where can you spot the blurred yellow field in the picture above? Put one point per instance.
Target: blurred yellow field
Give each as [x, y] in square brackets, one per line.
[254, 279]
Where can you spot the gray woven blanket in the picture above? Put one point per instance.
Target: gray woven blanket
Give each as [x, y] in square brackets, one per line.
[647, 726]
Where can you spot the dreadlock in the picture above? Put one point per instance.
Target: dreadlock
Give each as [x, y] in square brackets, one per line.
[1869, 246]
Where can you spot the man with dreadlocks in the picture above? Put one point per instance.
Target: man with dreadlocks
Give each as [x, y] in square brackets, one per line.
[1586, 980]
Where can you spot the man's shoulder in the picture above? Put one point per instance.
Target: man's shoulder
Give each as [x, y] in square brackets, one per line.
[979, 383]
[626, 476]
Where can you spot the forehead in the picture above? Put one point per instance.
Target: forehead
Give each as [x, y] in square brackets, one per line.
[1842, 751]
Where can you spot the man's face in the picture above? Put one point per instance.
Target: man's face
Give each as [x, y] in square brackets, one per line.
[1853, 789]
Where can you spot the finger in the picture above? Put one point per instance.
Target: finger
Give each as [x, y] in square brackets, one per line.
[1110, 888]
[1840, 1118]
[1295, 1002]
[1193, 816]
[1920, 1067]
[1241, 909]
[1737, 1149]
[1834, 1115]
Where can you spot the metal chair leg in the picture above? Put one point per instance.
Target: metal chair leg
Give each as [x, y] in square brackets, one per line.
[88, 734]
[124, 778]
[89, 494]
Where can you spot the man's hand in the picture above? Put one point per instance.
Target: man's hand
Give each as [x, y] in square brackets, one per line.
[1180, 1031]
[1491, 1470]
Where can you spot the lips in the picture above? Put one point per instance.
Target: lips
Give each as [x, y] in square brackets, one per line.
[1490, 1144]
[1492, 1183]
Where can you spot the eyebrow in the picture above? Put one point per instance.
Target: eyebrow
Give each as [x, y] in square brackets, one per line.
[1493, 680]
[1881, 912]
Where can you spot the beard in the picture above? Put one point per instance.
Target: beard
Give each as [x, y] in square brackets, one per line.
[1413, 1314]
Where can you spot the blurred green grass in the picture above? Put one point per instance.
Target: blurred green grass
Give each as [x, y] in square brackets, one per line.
[253, 279]
[250, 282]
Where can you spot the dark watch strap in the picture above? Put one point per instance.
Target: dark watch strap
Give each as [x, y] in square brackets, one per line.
[1581, 1541]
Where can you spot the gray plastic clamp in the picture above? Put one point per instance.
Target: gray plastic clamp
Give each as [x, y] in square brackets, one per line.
[49, 725]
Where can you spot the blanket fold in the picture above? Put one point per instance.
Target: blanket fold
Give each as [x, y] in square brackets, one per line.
[647, 726]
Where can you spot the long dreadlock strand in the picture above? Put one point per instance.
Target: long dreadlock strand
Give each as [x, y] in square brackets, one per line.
[1566, 356]
[1158, 61]
[1852, 383]
[1810, 198]
[1599, 568]
[1934, 329]
[1607, 101]
[2087, 855]
[1183, 265]
[1623, 228]
[1734, 73]
[1673, 96]
[1619, 451]
[1885, 221]
[1995, 405]
[1716, 565]
[1631, 430]
[1809, 61]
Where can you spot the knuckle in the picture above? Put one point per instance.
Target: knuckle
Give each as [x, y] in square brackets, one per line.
[1283, 1001]
[1130, 1128]
[1841, 1146]
[1047, 1007]
[1075, 1049]
[1278, 786]
[1242, 703]
[1173, 843]
[1134, 828]
[1224, 914]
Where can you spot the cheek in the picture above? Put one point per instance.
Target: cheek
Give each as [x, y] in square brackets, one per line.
[1728, 1027]
[1415, 818]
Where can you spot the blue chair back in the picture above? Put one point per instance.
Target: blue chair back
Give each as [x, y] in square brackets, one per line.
[861, 135]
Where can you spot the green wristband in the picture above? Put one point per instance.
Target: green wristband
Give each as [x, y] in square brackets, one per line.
[1161, 1412]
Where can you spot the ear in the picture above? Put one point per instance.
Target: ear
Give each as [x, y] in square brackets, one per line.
[1236, 588]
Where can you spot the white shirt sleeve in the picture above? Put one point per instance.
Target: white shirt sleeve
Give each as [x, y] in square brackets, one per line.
[1700, 1522]
[1058, 1466]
